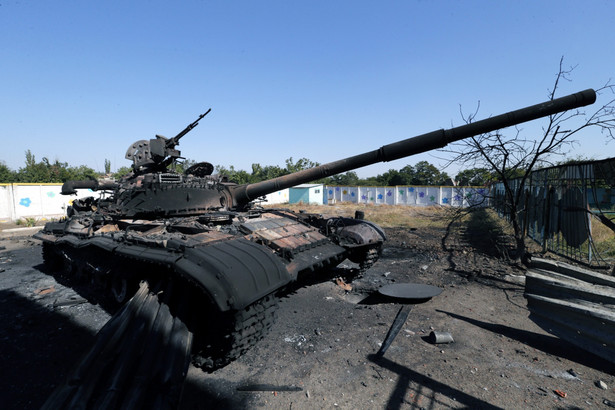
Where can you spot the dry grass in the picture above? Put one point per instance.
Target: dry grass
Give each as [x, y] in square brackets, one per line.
[384, 215]
[604, 239]
[492, 222]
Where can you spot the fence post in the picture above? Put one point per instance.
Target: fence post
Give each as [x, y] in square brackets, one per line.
[12, 208]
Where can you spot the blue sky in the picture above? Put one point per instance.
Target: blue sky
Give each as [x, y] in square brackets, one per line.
[323, 80]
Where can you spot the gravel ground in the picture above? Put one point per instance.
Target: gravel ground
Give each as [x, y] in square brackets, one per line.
[321, 351]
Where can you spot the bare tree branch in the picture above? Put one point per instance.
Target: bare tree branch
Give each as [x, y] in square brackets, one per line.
[514, 155]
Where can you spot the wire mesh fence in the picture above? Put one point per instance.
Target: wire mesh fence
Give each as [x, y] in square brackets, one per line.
[568, 209]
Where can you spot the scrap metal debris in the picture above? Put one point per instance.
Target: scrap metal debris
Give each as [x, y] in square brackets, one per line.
[440, 337]
[398, 323]
[575, 304]
[601, 384]
[560, 393]
[346, 286]
[45, 291]
[139, 360]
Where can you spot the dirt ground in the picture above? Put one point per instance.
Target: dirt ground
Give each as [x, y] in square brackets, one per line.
[321, 352]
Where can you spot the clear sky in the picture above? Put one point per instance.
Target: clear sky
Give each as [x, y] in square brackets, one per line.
[81, 80]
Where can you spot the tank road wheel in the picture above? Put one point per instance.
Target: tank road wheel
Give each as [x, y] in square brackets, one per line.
[371, 256]
[68, 265]
[121, 288]
[51, 259]
[233, 334]
[366, 259]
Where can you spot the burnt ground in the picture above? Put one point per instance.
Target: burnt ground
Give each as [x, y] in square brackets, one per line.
[321, 351]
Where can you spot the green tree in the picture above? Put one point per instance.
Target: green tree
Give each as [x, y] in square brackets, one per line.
[390, 178]
[6, 174]
[121, 172]
[260, 173]
[427, 174]
[474, 177]
[349, 178]
[107, 166]
[233, 175]
[407, 173]
[303, 164]
[47, 172]
[81, 172]
[182, 166]
[369, 181]
[300, 165]
[33, 171]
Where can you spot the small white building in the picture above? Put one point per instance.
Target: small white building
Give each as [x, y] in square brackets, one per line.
[307, 194]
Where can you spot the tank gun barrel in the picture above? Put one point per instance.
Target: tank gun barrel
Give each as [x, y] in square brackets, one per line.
[242, 194]
[70, 187]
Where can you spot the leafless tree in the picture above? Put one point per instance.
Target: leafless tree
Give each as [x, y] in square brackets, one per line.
[515, 155]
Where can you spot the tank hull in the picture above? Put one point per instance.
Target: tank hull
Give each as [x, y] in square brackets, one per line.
[232, 262]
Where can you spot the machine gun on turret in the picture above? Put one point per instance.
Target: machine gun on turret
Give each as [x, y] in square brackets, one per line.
[156, 154]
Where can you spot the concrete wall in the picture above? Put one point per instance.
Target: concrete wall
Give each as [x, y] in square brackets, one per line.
[44, 201]
[408, 195]
[280, 197]
[38, 201]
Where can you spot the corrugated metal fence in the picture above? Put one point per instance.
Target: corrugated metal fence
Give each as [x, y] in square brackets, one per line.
[557, 208]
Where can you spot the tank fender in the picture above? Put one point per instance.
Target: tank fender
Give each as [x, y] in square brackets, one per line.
[234, 273]
[356, 232]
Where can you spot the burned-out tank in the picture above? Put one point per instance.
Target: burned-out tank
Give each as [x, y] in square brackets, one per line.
[228, 257]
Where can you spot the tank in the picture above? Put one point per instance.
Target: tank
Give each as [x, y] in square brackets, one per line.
[227, 257]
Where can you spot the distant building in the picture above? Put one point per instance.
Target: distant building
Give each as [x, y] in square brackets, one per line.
[278, 197]
[307, 194]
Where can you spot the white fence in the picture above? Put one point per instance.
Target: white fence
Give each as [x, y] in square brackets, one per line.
[280, 197]
[408, 195]
[38, 201]
[44, 201]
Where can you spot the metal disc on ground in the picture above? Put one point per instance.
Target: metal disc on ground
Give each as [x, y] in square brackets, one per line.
[410, 292]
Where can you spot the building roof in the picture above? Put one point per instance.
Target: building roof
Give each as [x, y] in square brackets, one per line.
[307, 185]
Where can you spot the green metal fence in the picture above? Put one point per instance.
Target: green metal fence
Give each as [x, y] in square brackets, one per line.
[564, 208]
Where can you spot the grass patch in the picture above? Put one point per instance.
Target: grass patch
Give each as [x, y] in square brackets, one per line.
[487, 220]
[388, 216]
[482, 225]
[489, 233]
[29, 222]
[604, 239]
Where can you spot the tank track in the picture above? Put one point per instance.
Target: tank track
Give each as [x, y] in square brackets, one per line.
[243, 330]
[51, 259]
[366, 259]
[371, 257]
[93, 268]
[220, 337]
